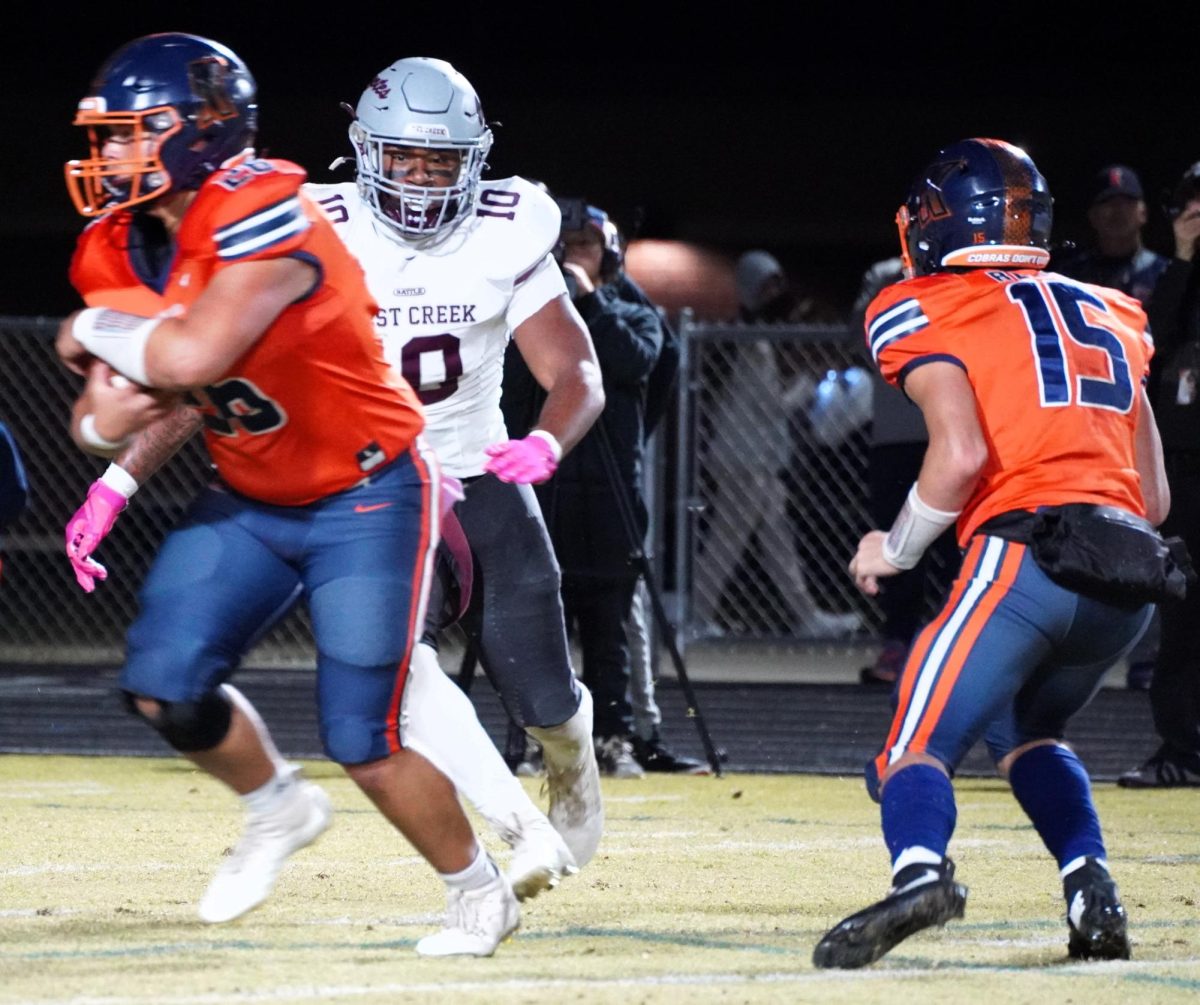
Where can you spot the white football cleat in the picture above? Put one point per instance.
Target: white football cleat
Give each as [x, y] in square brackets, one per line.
[477, 921]
[248, 875]
[573, 781]
[540, 858]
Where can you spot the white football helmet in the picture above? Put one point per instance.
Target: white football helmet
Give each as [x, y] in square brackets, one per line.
[425, 103]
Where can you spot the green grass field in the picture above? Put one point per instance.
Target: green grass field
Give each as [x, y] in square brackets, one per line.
[704, 890]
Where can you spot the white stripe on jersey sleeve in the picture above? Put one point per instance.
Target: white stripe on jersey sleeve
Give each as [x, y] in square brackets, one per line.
[903, 319]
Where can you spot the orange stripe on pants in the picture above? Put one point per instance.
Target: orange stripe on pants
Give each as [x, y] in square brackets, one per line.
[965, 642]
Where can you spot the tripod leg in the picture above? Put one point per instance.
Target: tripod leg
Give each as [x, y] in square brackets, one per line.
[638, 557]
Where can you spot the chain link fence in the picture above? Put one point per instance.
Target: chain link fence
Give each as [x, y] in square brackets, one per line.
[758, 503]
[771, 483]
[44, 615]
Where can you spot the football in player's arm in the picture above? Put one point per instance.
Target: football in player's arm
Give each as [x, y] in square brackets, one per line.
[261, 313]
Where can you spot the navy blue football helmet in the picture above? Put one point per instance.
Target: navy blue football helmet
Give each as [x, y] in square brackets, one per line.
[980, 204]
[163, 113]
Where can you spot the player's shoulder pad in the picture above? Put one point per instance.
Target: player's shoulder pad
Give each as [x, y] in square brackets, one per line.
[247, 207]
[516, 224]
[1128, 308]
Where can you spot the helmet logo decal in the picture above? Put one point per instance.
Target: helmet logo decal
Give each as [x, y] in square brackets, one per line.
[933, 206]
[381, 87]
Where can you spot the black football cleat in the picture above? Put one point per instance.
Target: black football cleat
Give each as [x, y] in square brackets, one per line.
[1165, 770]
[1095, 918]
[921, 896]
[654, 755]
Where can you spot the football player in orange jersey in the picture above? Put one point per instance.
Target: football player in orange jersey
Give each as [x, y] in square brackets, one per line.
[457, 267]
[235, 290]
[1043, 449]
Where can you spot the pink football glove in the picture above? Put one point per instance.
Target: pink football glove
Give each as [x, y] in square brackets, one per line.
[88, 527]
[526, 462]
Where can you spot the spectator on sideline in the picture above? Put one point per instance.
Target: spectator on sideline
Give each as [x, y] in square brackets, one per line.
[1174, 312]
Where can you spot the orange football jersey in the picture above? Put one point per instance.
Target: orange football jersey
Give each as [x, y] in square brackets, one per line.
[312, 407]
[1056, 366]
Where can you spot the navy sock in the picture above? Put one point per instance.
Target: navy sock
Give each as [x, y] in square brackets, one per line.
[918, 810]
[1052, 786]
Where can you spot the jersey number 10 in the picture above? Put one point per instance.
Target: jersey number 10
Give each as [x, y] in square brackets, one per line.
[1053, 332]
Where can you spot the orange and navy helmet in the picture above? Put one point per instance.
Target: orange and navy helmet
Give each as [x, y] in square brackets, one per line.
[980, 204]
[183, 106]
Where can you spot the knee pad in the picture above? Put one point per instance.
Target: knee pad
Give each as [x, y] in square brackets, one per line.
[350, 740]
[188, 726]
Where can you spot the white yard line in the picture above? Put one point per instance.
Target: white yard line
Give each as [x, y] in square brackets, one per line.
[1107, 971]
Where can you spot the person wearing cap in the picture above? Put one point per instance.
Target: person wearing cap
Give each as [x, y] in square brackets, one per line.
[1116, 256]
[1174, 313]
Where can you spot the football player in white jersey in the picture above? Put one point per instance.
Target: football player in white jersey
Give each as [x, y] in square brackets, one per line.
[459, 267]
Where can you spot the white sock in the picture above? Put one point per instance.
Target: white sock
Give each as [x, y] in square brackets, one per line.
[242, 704]
[479, 873]
[1078, 863]
[439, 722]
[276, 792]
[566, 744]
[917, 853]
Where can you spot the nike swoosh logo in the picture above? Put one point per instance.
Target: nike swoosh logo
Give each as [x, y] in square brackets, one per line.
[360, 508]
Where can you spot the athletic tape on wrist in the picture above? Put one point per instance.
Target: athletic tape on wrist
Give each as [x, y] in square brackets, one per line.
[89, 435]
[916, 527]
[117, 338]
[555, 446]
[119, 480]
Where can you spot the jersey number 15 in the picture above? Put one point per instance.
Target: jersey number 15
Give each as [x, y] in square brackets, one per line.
[1053, 331]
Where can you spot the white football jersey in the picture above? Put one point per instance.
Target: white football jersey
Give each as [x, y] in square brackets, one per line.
[446, 314]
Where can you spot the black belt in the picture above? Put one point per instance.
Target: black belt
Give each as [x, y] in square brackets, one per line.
[1017, 524]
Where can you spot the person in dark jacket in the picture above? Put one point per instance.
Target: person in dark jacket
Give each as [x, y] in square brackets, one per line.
[1174, 313]
[600, 480]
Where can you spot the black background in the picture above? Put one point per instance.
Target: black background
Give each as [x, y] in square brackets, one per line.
[799, 133]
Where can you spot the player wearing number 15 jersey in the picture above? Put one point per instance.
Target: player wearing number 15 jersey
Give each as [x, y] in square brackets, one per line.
[1043, 449]
[1057, 409]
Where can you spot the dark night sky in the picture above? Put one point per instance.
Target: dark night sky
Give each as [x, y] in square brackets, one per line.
[733, 133]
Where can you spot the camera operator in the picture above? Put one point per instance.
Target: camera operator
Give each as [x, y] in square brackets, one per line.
[580, 503]
[1174, 313]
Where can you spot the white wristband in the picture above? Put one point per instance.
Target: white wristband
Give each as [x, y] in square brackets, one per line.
[555, 446]
[117, 338]
[119, 480]
[916, 527]
[89, 435]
